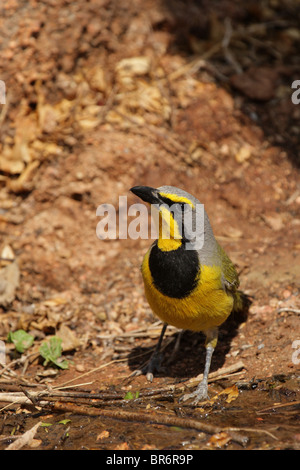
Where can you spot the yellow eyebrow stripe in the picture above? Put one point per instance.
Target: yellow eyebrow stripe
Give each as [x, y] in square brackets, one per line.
[175, 198]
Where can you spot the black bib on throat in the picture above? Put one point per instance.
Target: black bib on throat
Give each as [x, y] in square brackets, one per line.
[175, 272]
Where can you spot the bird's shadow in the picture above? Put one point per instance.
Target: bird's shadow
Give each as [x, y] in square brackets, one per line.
[189, 359]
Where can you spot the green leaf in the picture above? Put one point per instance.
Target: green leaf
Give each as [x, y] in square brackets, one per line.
[51, 351]
[131, 396]
[64, 421]
[21, 340]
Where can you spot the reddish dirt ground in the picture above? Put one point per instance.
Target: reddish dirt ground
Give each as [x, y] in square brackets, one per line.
[204, 103]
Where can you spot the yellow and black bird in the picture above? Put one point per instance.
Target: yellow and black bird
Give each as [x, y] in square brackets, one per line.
[190, 285]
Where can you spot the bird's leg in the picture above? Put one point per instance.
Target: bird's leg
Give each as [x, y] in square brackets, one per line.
[201, 391]
[155, 359]
[176, 347]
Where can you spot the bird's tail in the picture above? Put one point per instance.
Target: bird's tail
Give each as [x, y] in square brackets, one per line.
[241, 301]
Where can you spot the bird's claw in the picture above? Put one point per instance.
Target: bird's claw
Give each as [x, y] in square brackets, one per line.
[200, 394]
[152, 366]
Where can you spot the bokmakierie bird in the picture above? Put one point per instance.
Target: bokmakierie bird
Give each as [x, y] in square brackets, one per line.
[188, 285]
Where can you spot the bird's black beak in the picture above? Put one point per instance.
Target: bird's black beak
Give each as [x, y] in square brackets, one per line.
[146, 193]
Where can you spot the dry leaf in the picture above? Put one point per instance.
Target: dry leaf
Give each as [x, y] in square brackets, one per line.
[114, 117]
[25, 439]
[47, 118]
[89, 123]
[133, 66]
[231, 392]
[233, 232]
[7, 253]
[21, 150]
[69, 339]
[219, 440]
[143, 97]
[127, 71]
[46, 149]
[11, 166]
[275, 222]
[243, 154]
[26, 126]
[123, 446]
[24, 182]
[9, 282]
[55, 301]
[35, 443]
[102, 435]
[97, 79]
[46, 323]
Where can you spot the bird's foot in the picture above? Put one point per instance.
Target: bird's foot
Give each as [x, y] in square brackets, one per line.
[200, 394]
[152, 366]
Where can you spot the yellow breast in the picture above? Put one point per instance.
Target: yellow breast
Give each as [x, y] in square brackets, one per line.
[207, 306]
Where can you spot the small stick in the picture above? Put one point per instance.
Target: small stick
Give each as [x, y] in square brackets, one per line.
[225, 44]
[91, 371]
[39, 397]
[279, 406]
[288, 309]
[6, 368]
[32, 398]
[151, 419]
[217, 374]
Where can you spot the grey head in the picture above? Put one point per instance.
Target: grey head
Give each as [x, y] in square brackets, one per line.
[197, 228]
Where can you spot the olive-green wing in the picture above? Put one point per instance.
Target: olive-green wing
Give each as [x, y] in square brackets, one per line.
[230, 274]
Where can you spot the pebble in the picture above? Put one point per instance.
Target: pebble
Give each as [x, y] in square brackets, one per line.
[286, 294]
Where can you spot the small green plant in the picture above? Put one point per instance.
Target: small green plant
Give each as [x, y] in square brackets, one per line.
[132, 395]
[21, 340]
[51, 351]
[45, 424]
[64, 421]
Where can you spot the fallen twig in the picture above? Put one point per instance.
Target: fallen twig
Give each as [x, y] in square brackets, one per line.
[288, 309]
[16, 398]
[41, 397]
[280, 406]
[7, 368]
[92, 371]
[151, 418]
[217, 375]
[225, 44]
